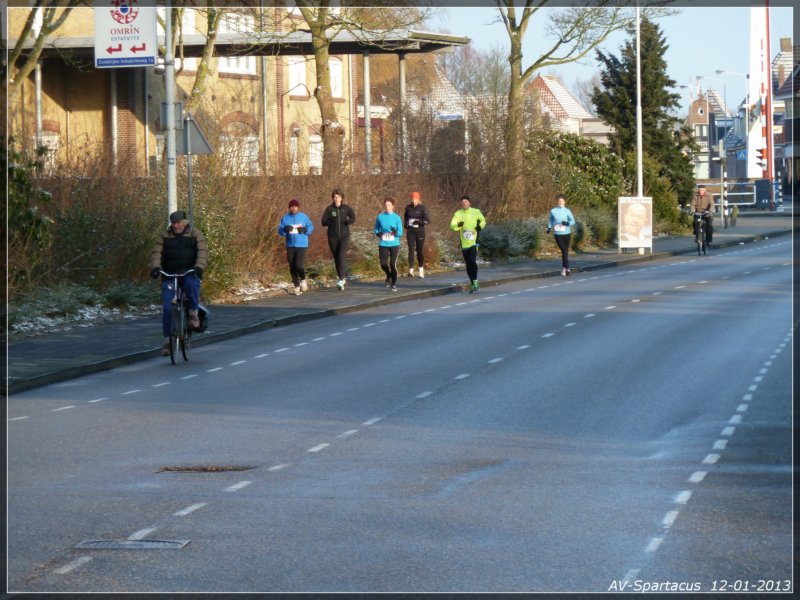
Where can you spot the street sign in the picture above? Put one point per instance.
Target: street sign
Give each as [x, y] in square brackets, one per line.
[125, 35]
[741, 155]
[191, 140]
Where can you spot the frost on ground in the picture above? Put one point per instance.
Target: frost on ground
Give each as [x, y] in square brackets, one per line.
[85, 317]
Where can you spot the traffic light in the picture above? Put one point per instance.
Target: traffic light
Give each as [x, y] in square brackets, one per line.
[761, 160]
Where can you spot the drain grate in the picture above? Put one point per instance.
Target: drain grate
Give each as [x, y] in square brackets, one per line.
[205, 469]
[131, 544]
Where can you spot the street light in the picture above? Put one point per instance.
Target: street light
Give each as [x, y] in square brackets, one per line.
[747, 100]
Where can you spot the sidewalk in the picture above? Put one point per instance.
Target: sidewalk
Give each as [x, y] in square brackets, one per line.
[49, 358]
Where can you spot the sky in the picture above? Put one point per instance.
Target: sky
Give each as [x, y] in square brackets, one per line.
[701, 41]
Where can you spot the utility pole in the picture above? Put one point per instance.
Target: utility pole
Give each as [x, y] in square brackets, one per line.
[169, 84]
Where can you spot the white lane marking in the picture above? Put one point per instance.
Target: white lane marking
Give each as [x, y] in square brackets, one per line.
[372, 421]
[702, 281]
[570, 325]
[726, 277]
[752, 388]
[190, 509]
[495, 360]
[462, 376]
[130, 392]
[766, 364]
[683, 497]
[741, 408]
[400, 317]
[354, 329]
[589, 316]
[101, 399]
[679, 287]
[347, 433]
[62, 408]
[318, 447]
[335, 334]
[189, 377]
[238, 362]
[237, 486]
[612, 307]
[747, 397]
[414, 314]
[728, 431]
[501, 295]
[278, 467]
[654, 544]
[473, 301]
[720, 445]
[430, 310]
[261, 355]
[489, 298]
[517, 292]
[381, 321]
[18, 418]
[747, 272]
[460, 303]
[657, 293]
[636, 300]
[160, 384]
[532, 290]
[547, 335]
[523, 347]
[73, 565]
[369, 324]
[283, 349]
[301, 344]
[710, 459]
[214, 370]
[735, 419]
[758, 379]
[142, 533]
[697, 476]
[424, 395]
[448, 306]
[669, 518]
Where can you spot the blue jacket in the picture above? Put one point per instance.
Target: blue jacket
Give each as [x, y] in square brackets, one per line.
[296, 240]
[559, 215]
[383, 228]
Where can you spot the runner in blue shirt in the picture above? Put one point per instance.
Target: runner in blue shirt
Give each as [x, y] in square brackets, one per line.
[389, 229]
[560, 221]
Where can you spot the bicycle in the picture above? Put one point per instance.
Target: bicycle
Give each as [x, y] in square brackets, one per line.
[700, 232]
[180, 334]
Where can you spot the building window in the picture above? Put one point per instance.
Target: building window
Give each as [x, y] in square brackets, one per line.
[50, 140]
[187, 25]
[236, 22]
[336, 69]
[293, 154]
[297, 76]
[239, 154]
[315, 154]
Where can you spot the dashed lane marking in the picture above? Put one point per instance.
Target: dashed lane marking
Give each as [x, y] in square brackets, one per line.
[495, 360]
[301, 344]
[728, 431]
[683, 497]
[161, 384]
[62, 408]
[278, 467]
[347, 433]
[189, 377]
[523, 347]
[720, 445]
[589, 316]
[741, 408]
[424, 395]
[462, 376]
[18, 418]
[237, 486]
[735, 419]
[131, 392]
[697, 476]
[547, 335]
[319, 339]
[612, 307]
[142, 533]
[190, 509]
[214, 370]
[238, 362]
[669, 518]
[710, 459]
[654, 544]
[261, 355]
[285, 349]
[570, 325]
[318, 447]
[73, 565]
[98, 400]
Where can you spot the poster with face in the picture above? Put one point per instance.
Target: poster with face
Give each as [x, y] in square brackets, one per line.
[635, 226]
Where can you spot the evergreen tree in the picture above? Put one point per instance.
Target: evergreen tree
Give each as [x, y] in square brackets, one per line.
[663, 137]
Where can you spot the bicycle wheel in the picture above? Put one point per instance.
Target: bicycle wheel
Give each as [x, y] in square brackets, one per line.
[174, 333]
[186, 342]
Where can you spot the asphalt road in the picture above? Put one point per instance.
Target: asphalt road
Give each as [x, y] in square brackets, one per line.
[624, 428]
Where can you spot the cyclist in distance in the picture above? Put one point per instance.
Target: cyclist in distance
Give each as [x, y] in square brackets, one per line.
[180, 248]
[704, 203]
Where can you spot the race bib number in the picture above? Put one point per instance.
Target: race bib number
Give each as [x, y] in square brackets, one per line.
[560, 227]
[469, 235]
[294, 229]
[388, 237]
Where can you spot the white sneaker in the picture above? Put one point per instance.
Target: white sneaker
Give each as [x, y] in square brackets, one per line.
[421, 273]
[340, 284]
[563, 272]
[298, 290]
[411, 272]
[303, 285]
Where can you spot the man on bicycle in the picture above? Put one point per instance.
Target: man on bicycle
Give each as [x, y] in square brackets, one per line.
[180, 248]
[704, 203]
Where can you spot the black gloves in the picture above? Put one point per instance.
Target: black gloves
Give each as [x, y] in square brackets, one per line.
[548, 230]
[460, 224]
[394, 230]
[154, 272]
[199, 272]
[287, 229]
[478, 227]
[302, 229]
[565, 223]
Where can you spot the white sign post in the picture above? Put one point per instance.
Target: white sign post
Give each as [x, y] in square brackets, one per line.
[125, 35]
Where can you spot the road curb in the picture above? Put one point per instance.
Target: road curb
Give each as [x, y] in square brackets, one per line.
[105, 365]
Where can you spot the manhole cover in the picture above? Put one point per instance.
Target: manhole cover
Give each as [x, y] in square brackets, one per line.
[205, 469]
[131, 544]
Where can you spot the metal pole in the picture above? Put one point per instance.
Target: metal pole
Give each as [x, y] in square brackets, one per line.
[402, 57]
[189, 160]
[38, 99]
[639, 182]
[169, 85]
[367, 116]
[722, 199]
[114, 120]
[264, 112]
[146, 89]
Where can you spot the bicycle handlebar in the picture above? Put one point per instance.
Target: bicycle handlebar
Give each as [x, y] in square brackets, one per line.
[165, 274]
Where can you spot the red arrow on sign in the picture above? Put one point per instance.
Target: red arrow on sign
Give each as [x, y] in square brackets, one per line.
[111, 50]
[141, 48]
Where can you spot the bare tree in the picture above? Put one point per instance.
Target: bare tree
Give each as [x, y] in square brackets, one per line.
[53, 14]
[575, 31]
[583, 90]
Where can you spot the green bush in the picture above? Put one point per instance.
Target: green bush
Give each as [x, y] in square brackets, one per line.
[510, 239]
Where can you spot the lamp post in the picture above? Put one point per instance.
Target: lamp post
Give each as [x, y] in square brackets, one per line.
[747, 98]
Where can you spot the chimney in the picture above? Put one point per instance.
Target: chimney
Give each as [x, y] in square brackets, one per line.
[786, 44]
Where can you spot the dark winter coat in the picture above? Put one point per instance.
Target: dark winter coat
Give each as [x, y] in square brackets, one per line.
[176, 253]
[338, 220]
[416, 217]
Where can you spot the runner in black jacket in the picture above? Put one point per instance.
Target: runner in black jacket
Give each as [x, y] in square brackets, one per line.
[416, 217]
[337, 218]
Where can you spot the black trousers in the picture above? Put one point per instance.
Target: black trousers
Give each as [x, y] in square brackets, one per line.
[388, 256]
[708, 224]
[471, 260]
[563, 245]
[339, 250]
[297, 260]
[416, 241]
